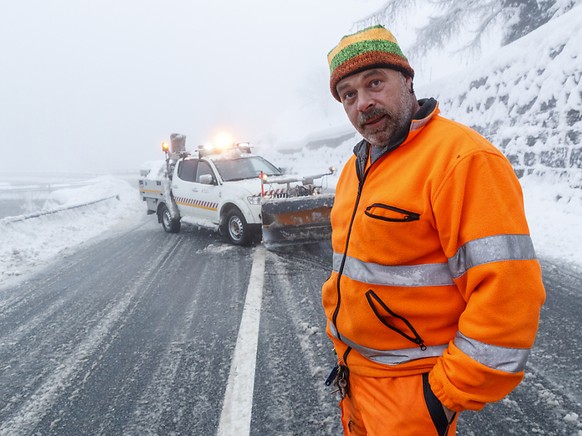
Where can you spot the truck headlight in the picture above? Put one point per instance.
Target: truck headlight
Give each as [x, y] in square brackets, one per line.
[254, 199]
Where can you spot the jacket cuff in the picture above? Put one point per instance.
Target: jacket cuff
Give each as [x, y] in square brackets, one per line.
[461, 383]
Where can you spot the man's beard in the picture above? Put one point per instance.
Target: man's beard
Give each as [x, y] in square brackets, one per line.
[393, 123]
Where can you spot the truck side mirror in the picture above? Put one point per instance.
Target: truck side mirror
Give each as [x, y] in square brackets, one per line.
[205, 179]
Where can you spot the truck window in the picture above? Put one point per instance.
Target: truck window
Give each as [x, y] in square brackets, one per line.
[187, 170]
[245, 168]
[204, 168]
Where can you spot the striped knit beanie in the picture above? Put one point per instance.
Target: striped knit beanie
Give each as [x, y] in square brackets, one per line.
[369, 48]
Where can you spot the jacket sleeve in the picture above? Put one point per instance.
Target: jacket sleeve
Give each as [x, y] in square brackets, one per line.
[479, 214]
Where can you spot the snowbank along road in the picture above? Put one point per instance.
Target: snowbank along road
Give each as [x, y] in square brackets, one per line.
[150, 333]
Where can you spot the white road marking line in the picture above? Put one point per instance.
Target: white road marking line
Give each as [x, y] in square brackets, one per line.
[238, 398]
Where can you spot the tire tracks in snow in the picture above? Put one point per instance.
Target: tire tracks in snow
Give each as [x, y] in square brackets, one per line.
[301, 306]
[26, 417]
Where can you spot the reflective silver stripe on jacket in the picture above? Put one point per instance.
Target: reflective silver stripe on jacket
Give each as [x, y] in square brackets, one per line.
[436, 274]
[473, 253]
[491, 249]
[495, 357]
[391, 357]
[500, 358]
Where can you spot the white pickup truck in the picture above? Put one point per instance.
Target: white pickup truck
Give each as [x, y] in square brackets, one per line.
[229, 189]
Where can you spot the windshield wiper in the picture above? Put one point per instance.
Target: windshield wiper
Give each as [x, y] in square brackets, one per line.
[238, 179]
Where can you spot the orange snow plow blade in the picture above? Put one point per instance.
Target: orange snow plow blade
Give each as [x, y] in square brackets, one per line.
[296, 220]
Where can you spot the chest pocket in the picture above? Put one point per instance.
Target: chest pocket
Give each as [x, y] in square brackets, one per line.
[393, 214]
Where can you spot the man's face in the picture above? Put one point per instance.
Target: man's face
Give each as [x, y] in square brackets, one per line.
[378, 103]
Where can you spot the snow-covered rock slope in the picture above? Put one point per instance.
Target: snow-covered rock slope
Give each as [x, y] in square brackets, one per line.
[527, 99]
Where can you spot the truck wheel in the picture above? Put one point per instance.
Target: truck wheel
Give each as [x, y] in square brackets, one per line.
[169, 224]
[237, 229]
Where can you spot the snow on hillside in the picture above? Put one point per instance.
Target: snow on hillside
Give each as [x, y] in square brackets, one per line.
[527, 99]
[105, 205]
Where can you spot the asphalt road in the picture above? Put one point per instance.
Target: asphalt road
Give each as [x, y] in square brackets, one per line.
[135, 335]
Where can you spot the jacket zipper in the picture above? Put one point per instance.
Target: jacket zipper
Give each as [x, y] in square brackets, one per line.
[415, 338]
[343, 262]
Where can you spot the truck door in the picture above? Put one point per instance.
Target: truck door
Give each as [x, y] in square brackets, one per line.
[195, 199]
[207, 192]
[182, 185]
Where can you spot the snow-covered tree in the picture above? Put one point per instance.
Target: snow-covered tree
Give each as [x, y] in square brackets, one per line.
[519, 17]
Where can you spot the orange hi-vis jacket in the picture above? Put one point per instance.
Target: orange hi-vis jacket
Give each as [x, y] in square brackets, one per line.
[433, 266]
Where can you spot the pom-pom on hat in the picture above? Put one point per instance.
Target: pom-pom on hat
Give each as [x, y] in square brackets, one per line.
[372, 47]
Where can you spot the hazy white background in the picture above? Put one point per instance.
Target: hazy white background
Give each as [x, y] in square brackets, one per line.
[96, 86]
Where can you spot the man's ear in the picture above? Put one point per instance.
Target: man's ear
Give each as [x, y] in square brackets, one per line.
[410, 84]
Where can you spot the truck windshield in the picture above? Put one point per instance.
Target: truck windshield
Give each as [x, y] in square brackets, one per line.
[245, 168]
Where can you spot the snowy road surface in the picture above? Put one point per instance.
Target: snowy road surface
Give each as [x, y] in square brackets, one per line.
[135, 335]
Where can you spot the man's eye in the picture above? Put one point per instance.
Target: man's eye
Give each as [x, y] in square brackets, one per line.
[375, 83]
[349, 95]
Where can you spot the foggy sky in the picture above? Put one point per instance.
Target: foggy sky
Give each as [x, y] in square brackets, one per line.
[97, 85]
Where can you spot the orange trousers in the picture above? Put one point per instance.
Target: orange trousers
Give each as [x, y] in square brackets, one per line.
[399, 406]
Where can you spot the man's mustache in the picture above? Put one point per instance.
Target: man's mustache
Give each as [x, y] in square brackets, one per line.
[371, 114]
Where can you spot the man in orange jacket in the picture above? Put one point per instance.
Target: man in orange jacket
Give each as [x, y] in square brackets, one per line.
[435, 294]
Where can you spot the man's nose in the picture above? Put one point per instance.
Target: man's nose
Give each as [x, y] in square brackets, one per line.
[365, 102]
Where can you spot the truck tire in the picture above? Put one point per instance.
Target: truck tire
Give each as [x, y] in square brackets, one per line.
[169, 224]
[236, 228]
